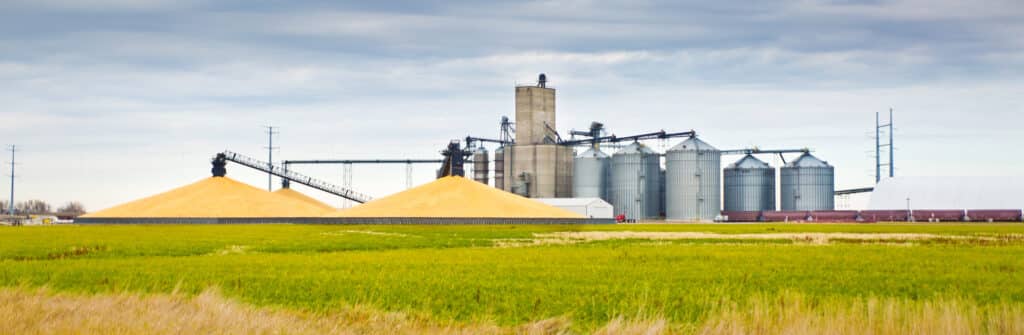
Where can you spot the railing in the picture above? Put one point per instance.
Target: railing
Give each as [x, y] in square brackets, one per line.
[296, 177]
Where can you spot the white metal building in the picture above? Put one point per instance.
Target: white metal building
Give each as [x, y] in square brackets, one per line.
[948, 193]
[594, 208]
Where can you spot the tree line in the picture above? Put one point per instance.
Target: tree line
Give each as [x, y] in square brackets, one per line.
[39, 207]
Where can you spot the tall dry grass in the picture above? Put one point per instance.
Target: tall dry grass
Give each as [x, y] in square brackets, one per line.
[795, 314]
[41, 312]
[38, 311]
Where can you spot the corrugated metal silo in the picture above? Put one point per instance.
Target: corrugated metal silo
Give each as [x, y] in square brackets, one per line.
[499, 168]
[633, 190]
[749, 186]
[590, 174]
[481, 165]
[693, 181]
[808, 184]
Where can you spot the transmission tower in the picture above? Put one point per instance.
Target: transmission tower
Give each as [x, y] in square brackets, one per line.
[879, 145]
[270, 155]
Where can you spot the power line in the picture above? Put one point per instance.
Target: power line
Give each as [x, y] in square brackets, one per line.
[270, 155]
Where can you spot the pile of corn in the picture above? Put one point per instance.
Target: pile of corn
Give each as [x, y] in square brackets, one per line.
[222, 197]
[455, 197]
[216, 197]
[290, 193]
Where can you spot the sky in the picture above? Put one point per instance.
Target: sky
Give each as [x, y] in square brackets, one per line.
[112, 100]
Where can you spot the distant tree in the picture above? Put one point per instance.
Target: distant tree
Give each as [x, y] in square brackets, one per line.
[3, 207]
[75, 208]
[33, 207]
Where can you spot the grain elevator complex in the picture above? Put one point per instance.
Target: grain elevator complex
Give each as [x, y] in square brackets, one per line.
[540, 176]
[684, 183]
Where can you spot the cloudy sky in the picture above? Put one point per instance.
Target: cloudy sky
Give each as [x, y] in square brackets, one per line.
[111, 100]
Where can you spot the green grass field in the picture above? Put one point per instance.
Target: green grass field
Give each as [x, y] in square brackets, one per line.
[512, 275]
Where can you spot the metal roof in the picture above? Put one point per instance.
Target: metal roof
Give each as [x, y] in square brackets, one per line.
[749, 162]
[808, 160]
[635, 148]
[693, 144]
[593, 153]
[574, 202]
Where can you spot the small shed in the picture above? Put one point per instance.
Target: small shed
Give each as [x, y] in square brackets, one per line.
[594, 208]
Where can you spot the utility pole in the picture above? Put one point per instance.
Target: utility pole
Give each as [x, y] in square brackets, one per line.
[270, 155]
[10, 205]
[910, 213]
[346, 182]
[408, 175]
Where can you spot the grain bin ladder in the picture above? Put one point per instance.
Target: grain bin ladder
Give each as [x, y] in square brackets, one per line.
[291, 175]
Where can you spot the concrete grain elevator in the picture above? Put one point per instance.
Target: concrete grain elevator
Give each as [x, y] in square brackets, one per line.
[536, 166]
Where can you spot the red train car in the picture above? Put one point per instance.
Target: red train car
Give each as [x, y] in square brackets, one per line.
[742, 216]
[993, 215]
[834, 216]
[884, 215]
[785, 216]
[938, 215]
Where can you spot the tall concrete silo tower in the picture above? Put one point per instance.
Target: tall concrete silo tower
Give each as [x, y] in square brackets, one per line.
[536, 166]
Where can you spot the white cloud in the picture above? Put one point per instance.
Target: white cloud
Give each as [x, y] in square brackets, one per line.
[913, 9]
[101, 5]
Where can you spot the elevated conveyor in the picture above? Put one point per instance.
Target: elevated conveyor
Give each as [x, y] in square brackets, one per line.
[229, 156]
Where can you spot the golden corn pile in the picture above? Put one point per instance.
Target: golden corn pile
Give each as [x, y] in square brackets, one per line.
[290, 193]
[455, 197]
[215, 197]
[222, 197]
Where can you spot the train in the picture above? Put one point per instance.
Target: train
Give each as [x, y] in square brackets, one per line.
[852, 216]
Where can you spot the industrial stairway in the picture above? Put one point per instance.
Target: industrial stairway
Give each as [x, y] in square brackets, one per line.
[279, 171]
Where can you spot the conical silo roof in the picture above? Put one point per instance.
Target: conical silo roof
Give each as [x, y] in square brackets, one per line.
[808, 160]
[635, 148]
[593, 153]
[693, 144]
[749, 162]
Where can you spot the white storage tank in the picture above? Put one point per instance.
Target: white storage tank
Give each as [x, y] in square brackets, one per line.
[692, 181]
[633, 190]
[808, 184]
[591, 171]
[481, 165]
[749, 186]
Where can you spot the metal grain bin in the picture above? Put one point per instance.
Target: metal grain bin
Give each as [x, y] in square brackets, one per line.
[591, 171]
[807, 184]
[499, 168]
[481, 165]
[692, 181]
[749, 186]
[633, 189]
